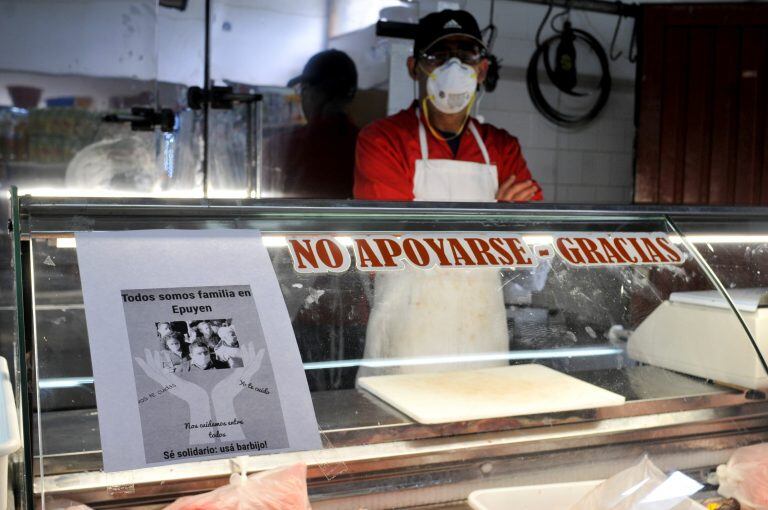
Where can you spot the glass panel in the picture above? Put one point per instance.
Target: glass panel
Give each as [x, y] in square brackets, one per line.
[61, 342]
[54, 139]
[13, 349]
[180, 65]
[625, 329]
[738, 256]
[257, 47]
[53, 102]
[64, 66]
[299, 140]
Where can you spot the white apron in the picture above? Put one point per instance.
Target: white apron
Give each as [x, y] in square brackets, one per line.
[440, 312]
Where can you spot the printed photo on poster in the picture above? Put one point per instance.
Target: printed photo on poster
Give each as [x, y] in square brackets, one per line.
[198, 345]
[201, 368]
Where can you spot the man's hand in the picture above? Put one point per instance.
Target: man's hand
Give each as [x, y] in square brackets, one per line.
[511, 191]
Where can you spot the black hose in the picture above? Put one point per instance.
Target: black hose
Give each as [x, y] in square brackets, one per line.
[540, 102]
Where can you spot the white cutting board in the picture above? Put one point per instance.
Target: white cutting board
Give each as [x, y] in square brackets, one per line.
[462, 395]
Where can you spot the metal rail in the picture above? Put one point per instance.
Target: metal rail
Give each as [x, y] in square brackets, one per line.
[62, 206]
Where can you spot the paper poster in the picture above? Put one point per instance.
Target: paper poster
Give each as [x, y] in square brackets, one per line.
[193, 352]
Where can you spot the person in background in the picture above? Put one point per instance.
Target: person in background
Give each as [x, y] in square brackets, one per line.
[435, 151]
[317, 160]
[216, 324]
[203, 332]
[228, 349]
[163, 329]
[180, 327]
[175, 354]
[200, 355]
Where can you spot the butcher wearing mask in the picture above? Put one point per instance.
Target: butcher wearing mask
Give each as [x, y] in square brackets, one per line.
[435, 151]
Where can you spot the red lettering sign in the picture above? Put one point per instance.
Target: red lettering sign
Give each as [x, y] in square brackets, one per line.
[617, 249]
[381, 252]
[318, 255]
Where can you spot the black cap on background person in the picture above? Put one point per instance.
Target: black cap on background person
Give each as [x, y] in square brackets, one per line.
[447, 23]
[328, 83]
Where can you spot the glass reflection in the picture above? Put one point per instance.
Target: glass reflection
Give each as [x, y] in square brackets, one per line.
[322, 73]
[53, 137]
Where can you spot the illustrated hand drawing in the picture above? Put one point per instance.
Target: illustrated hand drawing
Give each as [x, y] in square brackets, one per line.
[195, 396]
[224, 393]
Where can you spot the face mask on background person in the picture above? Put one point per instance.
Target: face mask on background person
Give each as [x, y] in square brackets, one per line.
[451, 86]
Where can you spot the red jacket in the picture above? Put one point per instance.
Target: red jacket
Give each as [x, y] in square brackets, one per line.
[388, 149]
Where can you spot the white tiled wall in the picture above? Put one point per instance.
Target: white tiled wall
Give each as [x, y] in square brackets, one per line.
[593, 164]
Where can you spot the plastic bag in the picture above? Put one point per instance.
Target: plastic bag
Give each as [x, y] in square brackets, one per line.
[642, 487]
[125, 164]
[277, 489]
[745, 477]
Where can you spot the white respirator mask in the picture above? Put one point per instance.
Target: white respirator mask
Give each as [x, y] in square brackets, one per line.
[451, 86]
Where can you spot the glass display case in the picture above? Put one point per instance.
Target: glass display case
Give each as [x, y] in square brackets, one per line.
[645, 323]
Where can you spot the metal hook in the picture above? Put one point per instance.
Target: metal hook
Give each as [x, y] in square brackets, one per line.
[633, 44]
[616, 56]
[565, 12]
[491, 29]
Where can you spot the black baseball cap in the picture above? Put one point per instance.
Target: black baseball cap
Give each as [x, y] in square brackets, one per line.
[332, 71]
[439, 25]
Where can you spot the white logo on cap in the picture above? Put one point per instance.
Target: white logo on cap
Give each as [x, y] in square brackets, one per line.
[452, 24]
